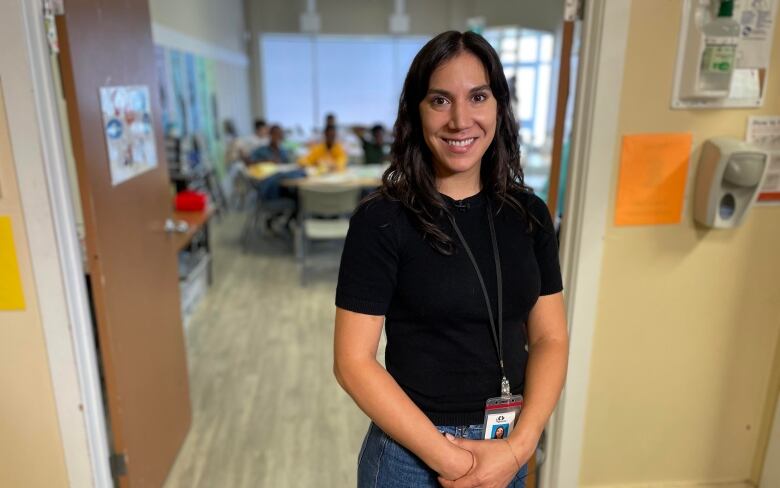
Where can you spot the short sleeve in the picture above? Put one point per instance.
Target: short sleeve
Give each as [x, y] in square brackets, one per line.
[546, 248]
[369, 262]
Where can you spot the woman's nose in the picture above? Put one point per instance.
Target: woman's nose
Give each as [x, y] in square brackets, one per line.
[460, 117]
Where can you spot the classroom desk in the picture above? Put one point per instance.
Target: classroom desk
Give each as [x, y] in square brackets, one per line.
[192, 249]
[363, 176]
[197, 221]
[335, 179]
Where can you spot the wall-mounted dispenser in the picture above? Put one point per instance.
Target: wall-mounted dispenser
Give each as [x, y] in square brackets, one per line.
[723, 53]
[727, 183]
[711, 51]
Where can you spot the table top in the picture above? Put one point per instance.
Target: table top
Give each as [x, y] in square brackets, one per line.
[364, 176]
[196, 221]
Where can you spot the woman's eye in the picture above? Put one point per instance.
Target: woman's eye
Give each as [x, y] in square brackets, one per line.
[438, 100]
[480, 97]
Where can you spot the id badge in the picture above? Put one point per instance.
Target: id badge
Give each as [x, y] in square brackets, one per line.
[500, 416]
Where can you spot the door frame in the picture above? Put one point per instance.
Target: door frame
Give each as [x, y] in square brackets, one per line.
[593, 151]
[71, 342]
[605, 31]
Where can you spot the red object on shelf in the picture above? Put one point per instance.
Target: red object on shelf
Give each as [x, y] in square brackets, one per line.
[191, 201]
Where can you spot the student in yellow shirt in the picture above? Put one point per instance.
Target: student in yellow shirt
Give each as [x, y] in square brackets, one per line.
[329, 155]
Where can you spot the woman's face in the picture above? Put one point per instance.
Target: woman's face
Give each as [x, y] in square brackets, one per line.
[500, 433]
[458, 115]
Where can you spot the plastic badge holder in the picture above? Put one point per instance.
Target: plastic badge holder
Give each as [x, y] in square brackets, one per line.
[501, 414]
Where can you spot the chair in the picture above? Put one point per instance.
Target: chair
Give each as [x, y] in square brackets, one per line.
[268, 202]
[323, 216]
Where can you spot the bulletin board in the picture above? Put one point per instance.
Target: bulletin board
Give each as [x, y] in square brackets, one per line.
[188, 96]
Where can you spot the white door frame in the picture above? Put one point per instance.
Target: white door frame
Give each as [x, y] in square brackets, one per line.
[57, 263]
[594, 144]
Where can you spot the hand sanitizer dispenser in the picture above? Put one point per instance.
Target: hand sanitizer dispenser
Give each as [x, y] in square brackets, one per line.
[710, 50]
[729, 177]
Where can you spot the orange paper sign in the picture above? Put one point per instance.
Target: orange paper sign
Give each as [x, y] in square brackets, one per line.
[651, 185]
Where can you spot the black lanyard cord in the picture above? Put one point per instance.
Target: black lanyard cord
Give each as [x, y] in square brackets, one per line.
[497, 331]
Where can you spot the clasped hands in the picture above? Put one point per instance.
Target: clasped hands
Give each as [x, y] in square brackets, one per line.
[494, 463]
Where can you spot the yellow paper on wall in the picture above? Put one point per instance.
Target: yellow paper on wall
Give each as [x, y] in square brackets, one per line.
[651, 185]
[11, 294]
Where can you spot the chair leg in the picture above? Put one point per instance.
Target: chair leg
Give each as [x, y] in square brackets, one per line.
[250, 225]
[245, 232]
[297, 242]
[303, 251]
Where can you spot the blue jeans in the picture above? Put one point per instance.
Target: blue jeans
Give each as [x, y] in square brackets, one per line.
[383, 463]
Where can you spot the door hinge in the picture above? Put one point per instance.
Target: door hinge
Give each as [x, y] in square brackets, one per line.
[50, 9]
[573, 10]
[57, 7]
[118, 464]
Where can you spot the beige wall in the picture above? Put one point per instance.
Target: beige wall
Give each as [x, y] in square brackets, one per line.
[684, 372]
[216, 22]
[31, 453]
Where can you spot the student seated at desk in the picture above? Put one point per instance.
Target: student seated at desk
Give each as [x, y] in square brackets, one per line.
[375, 149]
[274, 150]
[250, 142]
[329, 155]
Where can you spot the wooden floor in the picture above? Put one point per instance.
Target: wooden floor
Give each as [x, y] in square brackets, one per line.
[267, 411]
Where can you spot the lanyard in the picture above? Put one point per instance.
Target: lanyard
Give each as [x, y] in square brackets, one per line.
[497, 331]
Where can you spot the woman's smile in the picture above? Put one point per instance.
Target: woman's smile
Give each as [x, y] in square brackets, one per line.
[459, 146]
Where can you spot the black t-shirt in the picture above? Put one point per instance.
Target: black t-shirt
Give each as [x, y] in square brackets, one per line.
[440, 348]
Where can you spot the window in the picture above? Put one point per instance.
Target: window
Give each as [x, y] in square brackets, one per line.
[527, 57]
[359, 78]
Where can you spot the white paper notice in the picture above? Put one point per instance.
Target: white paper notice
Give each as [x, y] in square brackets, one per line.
[756, 18]
[745, 85]
[765, 133]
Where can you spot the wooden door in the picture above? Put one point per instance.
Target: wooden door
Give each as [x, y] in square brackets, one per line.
[131, 260]
[561, 105]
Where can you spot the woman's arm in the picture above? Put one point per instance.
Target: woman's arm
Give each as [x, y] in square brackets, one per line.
[548, 352]
[379, 396]
[548, 356]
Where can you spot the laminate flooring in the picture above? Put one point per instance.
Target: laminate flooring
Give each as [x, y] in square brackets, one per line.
[267, 411]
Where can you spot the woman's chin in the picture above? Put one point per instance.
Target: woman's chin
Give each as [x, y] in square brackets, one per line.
[452, 167]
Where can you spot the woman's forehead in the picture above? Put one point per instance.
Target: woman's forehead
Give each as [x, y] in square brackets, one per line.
[464, 70]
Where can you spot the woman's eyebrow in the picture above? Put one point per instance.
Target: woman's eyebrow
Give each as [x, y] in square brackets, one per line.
[439, 91]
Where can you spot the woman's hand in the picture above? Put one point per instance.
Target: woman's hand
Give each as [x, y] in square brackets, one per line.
[456, 463]
[495, 464]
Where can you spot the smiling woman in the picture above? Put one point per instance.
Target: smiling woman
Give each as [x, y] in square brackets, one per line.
[459, 261]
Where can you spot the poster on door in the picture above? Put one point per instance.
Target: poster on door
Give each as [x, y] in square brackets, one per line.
[127, 125]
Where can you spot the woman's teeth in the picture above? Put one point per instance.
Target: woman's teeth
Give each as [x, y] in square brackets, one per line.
[460, 143]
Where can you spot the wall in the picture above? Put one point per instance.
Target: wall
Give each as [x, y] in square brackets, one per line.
[218, 23]
[215, 30]
[31, 450]
[682, 385]
[428, 17]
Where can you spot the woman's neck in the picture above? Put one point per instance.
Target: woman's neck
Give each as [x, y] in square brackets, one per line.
[459, 185]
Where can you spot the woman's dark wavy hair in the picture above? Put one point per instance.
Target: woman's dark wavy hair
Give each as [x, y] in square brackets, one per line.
[411, 178]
